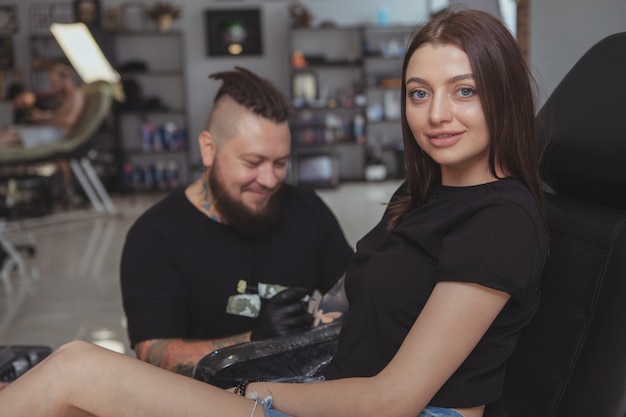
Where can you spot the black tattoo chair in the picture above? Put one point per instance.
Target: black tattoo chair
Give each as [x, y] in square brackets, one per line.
[15, 162]
[571, 359]
[98, 102]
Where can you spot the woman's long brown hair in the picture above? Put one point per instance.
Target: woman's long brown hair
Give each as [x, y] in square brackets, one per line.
[506, 92]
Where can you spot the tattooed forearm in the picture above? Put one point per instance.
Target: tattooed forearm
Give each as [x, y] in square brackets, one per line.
[183, 369]
[332, 306]
[180, 355]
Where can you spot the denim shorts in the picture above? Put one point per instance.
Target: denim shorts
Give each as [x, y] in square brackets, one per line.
[267, 404]
[439, 412]
[427, 412]
[36, 135]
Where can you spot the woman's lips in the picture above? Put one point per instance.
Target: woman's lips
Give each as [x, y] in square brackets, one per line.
[444, 139]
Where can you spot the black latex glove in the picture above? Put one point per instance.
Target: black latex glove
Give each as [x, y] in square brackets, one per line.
[282, 314]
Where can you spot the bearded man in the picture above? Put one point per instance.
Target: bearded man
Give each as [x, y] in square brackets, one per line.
[232, 256]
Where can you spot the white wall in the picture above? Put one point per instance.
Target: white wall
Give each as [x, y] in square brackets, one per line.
[561, 30]
[275, 23]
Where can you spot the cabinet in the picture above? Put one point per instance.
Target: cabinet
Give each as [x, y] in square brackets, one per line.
[345, 87]
[152, 123]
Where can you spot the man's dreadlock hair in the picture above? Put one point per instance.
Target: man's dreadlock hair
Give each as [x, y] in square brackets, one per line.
[254, 93]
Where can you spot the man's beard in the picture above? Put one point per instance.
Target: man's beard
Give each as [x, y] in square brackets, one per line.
[241, 218]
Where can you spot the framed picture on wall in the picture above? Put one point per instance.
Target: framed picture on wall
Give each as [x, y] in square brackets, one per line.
[233, 32]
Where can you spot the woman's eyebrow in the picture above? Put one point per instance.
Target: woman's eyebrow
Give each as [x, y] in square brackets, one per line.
[452, 80]
[460, 78]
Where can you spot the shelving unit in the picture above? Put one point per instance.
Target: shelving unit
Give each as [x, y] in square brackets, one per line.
[383, 56]
[152, 124]
[145, 143]
[346, 92]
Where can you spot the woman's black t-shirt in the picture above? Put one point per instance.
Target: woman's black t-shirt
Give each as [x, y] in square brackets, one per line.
[490, 234]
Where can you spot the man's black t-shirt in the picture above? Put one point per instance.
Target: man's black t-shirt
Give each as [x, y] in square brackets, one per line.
[179, 267]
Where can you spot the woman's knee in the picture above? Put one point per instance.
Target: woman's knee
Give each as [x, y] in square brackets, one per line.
[72, 353]
[73, 347]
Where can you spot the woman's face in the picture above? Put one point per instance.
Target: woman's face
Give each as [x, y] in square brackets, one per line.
[444, 112]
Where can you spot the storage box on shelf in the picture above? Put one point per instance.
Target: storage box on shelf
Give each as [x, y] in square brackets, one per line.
[152, 123]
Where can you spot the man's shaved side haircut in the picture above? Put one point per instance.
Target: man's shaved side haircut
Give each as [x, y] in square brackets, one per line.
[254, 93]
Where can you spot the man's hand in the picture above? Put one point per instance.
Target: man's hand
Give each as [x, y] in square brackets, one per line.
[283, 314]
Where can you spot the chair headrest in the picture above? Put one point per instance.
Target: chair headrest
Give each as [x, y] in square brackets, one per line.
[584, 122]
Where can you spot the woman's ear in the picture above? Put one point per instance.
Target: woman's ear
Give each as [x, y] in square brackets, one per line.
[207, 148]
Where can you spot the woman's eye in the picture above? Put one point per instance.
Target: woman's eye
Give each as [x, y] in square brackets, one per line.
[465, 92]
[418, 94]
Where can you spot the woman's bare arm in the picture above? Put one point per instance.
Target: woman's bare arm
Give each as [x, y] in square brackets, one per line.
[454, 319]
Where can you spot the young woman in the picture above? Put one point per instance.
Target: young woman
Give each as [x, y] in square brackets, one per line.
[439, 290]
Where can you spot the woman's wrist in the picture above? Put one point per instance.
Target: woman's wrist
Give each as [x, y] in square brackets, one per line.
[240, 389]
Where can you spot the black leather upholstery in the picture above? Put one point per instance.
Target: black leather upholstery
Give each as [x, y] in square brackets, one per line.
[571, 359]
[585, 120]
[294, 358]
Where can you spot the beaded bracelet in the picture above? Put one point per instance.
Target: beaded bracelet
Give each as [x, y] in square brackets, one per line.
[241, 387]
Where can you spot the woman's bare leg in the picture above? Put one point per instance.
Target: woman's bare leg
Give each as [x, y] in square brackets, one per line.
[80, 379]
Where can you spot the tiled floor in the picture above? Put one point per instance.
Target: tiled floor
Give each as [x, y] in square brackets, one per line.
[71, 288]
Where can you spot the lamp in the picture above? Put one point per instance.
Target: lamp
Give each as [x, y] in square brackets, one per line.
[85, 55]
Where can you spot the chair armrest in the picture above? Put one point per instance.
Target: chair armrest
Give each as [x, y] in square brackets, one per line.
[294, 358]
